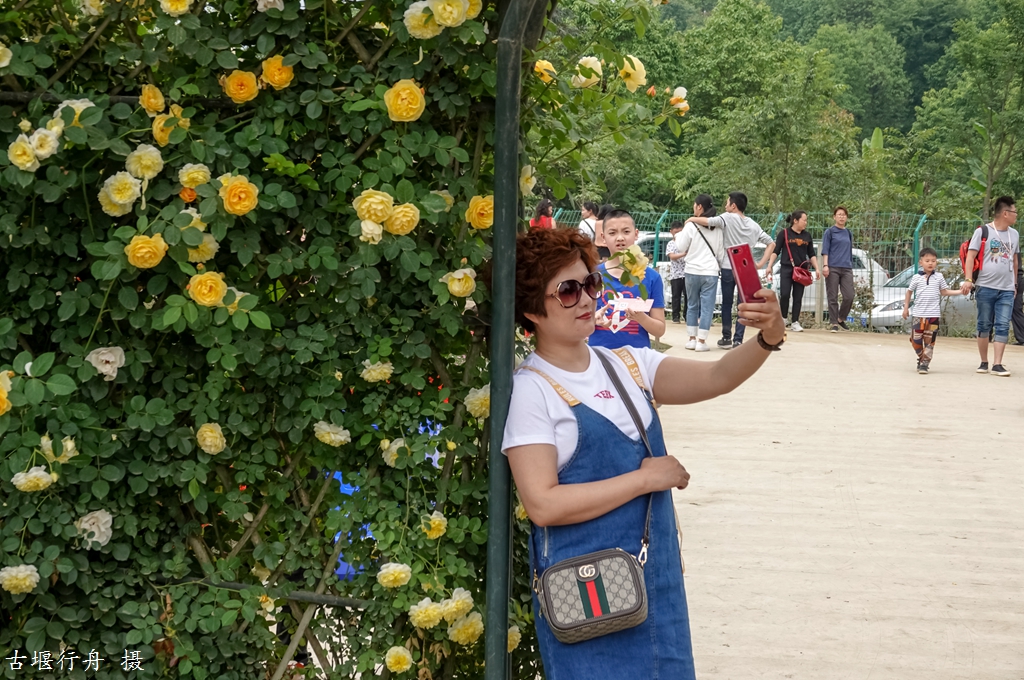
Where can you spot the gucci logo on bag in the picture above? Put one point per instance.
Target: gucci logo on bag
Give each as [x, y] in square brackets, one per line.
[587, 571]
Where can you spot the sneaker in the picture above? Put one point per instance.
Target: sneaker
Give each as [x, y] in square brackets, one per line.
[736, 343]
[999, 369]
[922, 369]
[676, 321]
[983, 368]
[690, 344]
[725, 343]
[834, 329]
[843, 326]
[702, 347]
[796, 327]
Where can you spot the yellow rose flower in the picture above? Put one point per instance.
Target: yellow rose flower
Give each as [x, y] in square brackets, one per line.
[233, 307]
[205, 251]
[405, 101]
[207, 289]
[162, 131]
[145, 162]
[238, 194]
[175, 8]
[475, 7]
[196, 222]
[420, 23]
[145, 252]
[450, 445]
[55, 125]
[77, 105]
[678, 101]
[152, 100]
[390, 449]
[68, 450]
[403, 219]
[635, 261]
[426, 614]
[112, 207]
[449, 13]
[19, 579]
[332, 435]
[478, 402]
[514, 637]
[592, 64]
[381, 370]
[5, 403]
[466, 630]
[183, 123]
[36, 479]
[394, 575]
[480, 213]
[44, 143]
[456, 606]
[461, 282]
[5, 381]
[435, 525]
[25, 125]
[370, 232]
[211, 438]
[21, 154]
[122, 188]
[398, 659]
[276, 74]
[520, 511]
[5, 59]
[373, 205]
[192, 175]
[544, 70]
[240, 86]
[449, 201]
[633, 73]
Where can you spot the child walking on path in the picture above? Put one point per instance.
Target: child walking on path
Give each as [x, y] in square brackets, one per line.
[928, 287]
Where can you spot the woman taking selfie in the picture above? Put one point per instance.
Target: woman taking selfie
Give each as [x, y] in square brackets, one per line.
[588, 457]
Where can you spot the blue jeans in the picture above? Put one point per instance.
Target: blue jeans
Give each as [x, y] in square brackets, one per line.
[994, 308]
[700, 298]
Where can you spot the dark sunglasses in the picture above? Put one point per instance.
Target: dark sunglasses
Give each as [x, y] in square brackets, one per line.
[568, 292]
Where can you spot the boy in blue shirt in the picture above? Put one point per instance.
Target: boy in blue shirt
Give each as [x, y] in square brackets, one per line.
[619, 234]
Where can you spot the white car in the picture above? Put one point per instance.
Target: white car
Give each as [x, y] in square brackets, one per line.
[958, 311]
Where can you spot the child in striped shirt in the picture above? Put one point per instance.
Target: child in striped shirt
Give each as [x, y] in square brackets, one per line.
[928, 287]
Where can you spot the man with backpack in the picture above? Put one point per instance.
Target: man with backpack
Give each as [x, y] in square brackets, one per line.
[991, 266]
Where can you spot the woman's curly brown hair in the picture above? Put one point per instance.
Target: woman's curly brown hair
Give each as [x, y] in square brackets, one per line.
[540, 254]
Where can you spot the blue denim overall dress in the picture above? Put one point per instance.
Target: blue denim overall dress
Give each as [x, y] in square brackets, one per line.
[660, 647]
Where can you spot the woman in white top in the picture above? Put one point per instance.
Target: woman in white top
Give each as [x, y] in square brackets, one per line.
[588, 220]
[703, 248]
[575, 451]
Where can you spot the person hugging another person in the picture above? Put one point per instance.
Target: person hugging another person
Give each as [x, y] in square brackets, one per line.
[703, 249]
[620, 233]
[542, 216]
[588, 456]
[797, 251]
[676, 272]
[837, 256]
[928, 287]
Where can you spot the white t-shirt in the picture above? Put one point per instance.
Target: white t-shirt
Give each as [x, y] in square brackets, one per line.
[586, 228]
[538, 415]
[700, 260]
[927, 294]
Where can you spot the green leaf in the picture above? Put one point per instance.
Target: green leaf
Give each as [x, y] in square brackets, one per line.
[240, 320]
[100, 488]
[193, 488]
[227, 59]
[42, 364]
[192, 237]
[128, 297]
[35, 391]
[404, 192]
[260, 320]
[60, 384]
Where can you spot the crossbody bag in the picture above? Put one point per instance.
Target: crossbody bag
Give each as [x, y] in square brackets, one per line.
[600, 592]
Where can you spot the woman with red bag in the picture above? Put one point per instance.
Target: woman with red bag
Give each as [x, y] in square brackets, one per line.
[797, 250]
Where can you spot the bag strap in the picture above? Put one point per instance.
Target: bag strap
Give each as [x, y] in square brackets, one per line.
[562, 392]
[785, 234]
[704, 238]
[617, 382]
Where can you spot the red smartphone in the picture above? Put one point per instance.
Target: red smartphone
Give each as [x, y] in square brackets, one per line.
[744, 270]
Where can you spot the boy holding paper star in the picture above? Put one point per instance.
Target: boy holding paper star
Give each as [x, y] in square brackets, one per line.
[633, 303]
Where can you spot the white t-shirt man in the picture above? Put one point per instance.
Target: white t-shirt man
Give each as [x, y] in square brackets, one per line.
[999, 257]
[538, 415]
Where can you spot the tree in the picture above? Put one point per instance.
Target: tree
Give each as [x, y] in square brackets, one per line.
[869, 62]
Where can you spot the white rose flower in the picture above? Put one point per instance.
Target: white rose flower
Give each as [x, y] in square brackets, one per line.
[478, 402]
[371, 232]
[5, 57]
[592, 63]
[69, 450]
[22, 578]
[145, 162]
[36, 479]
[106, 360]
[96, 527]
[264, 5]
[331, 435]
[92, 8]
[46, 446]
[44, 143]
[526, 180]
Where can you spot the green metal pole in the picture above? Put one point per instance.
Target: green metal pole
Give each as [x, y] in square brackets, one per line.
[657, 237]
[502, 335]
[555, 218]
[917, 238]
[778, 221]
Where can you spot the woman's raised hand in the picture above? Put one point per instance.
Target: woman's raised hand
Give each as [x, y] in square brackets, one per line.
[664, 472]
[601, 320]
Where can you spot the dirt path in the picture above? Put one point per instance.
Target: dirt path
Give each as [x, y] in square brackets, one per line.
[872, 527]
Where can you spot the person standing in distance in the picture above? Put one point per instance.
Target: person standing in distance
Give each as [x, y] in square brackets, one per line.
[837, 255]
[620, 233]
[676, 272]
[797, 250]
[602, 246]
[997, 281]
[588, 218]
[542, 216]
[702, 247]
[737, 229]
